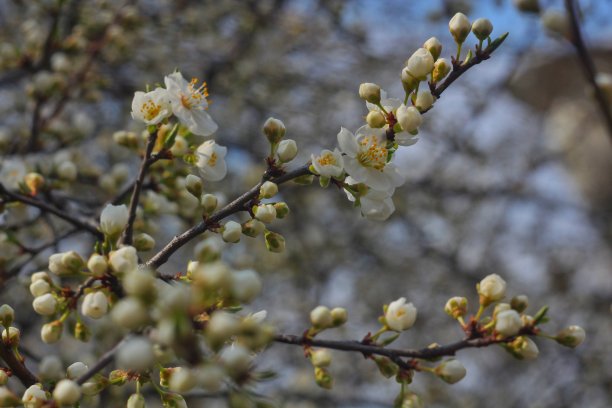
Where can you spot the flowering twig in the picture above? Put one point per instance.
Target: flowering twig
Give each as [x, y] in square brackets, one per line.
[144, 166]
[81, 223]
[19, 369]
[235, 206]
[587, 64]
[105, 360]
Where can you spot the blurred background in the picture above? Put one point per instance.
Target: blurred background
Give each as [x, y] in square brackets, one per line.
[511, 174]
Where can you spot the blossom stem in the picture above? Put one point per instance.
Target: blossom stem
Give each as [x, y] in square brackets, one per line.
[479, 313]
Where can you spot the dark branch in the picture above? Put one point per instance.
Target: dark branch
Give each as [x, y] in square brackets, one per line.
[17, 367]
[587, 63]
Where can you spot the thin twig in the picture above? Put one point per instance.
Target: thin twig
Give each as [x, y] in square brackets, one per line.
[105, 360]
[26, 377]
[235, 206]
[144, 166]
[588, 65]
[74, 220]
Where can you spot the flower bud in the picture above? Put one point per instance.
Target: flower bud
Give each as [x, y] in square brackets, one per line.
[208, 250]
[221, 326]
[67, 392]
[571, 336]
[7, 315]
[181, 380]
[231, 231]
[75, 370]
[274, 130]
[136, 401]
[45, 305]
[246, 285]
[508, 323]
[529, 6]
[97, 265]
[253, 228]
[456, 307]
[130, 313]
[420, 64]
[434, 46]
[82, 332]
[210, 377]
[556, 22]
[450, 371]
[274, 242]
[491, 289]
[113, 219]
[459, 27]
[34, 396]
[67, 170]
[321, 358]
[268, 189]
[50, 368]
[118, 377]
[323, 378]
[482, 28]
[519, 303]
[524, 348]
[143, 242]
[136, 354]
[370, 92]
[123, 260]
[409, 118]
[209, 202]
[126, 139]
[236, 359]
[282, 209]
[339, 316]
[94, 385]
[193, 184]
[321, 317]
[51, 332]
[400, 315]
[95, 305]
[408, 81]
[265, 213]
[424, 100]
[376, 119]
[34, 181]
[386, 367]
[441, 69]
[8, 399]
[172, 400]
[287, 150]
[40, 276]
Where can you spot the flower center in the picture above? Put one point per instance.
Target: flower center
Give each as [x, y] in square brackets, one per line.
[327, 159]
[371, 154]
[150, 109]
[195, 96]
[213, 160]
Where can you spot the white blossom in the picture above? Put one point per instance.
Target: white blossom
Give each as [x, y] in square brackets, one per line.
[231, 232]
[366, 158]
[400, 315]
[151, 107]
[189, 104]
[124, 259]
[211, 161]
[95, 305]
[34, 396]
[508, 323]
[420, 64]
[67, 392]
[374, 204]
[113, 219]
[328, 163]
[45, 305]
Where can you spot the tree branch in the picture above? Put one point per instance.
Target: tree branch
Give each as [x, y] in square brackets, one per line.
[144, 166]
[235, 206]
[105, 360]
[74, 220]
[17, 367]
[587, 63]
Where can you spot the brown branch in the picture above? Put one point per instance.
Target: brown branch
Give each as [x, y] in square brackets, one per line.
[105, 360]
[17, 367]
[235, 206]
[587, 63]
[144, 166]
[74, 220]
[394, 354]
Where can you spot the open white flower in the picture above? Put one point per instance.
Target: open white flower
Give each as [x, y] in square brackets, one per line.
[375, 205]
[409, 119]
[366, 158]
[189, 104]
[400, 315]
[12, 172]
[211, 161]
[151, 107]
[328, 163]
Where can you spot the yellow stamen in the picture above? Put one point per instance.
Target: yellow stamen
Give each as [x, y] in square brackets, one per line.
[372, 154]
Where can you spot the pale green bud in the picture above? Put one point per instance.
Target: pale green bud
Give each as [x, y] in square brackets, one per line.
[434, 46]
[193, 184]
[339, 316]
[459, 27]
[274, 130]
[450, 371]
[287, 150]
[376, 119]
[209, 202]
[274, 242]
[321, 317]
[456, 307]
[482, 28]
[253, 228]
[7, 315]
[282, 209]
[143, 242]
[519, 303]
[268, 189]
[571, 336]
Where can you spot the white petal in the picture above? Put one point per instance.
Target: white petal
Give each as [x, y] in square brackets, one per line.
[356, 170]
[348, 143]
[202, 124]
